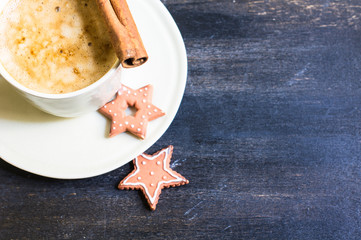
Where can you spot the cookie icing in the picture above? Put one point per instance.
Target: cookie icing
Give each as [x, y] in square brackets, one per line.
[151, 174]
[145, 111]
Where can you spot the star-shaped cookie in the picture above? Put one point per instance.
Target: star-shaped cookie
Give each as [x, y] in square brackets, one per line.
[151, 174]
[141, 100]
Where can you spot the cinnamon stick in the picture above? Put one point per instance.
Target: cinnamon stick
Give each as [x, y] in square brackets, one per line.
[124, 34]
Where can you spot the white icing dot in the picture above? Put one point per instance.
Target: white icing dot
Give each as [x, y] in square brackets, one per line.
[120, 125]
[143, 162]
[132, 126]
[105, 106]
[113, 128]
[135, 94]
[152, 184]
[141, 90]
[114, 122]
[148, 106]
[164, 177]
[151, 173]
[143, 116]
[112, 102]
[145, 94]
[158, 163]
[141, 123]
[146, 89]
[139, 129]
[115, 114]
[155, 110]
[149, 113]
[144, 100]
[139, 178]
[110, 110]
[129, 92]
[126, 123]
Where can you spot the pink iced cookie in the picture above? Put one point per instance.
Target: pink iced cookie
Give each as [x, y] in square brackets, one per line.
[151, 174]
[141, 100]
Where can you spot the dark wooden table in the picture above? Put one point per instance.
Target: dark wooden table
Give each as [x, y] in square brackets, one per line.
[268, 134]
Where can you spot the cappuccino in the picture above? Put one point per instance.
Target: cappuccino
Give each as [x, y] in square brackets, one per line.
[55, 46]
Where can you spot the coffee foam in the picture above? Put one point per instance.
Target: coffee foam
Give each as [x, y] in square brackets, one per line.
[54, 51]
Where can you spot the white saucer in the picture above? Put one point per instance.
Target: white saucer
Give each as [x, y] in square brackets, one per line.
[79, 148]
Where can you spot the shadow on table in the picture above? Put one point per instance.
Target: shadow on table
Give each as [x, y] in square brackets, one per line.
[9, 171]
[5, 166]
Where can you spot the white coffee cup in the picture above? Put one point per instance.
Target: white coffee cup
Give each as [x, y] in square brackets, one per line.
[71, 104]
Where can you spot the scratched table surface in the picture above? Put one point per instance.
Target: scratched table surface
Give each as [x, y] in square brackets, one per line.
[268, 134]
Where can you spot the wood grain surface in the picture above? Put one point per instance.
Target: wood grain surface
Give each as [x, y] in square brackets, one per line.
[268, 135]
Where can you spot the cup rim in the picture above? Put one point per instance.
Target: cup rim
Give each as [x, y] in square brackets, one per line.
[9, 78]
[5, 74]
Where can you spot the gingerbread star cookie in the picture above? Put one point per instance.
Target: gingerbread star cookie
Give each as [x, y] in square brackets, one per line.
[141, 101]
[151, 174]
